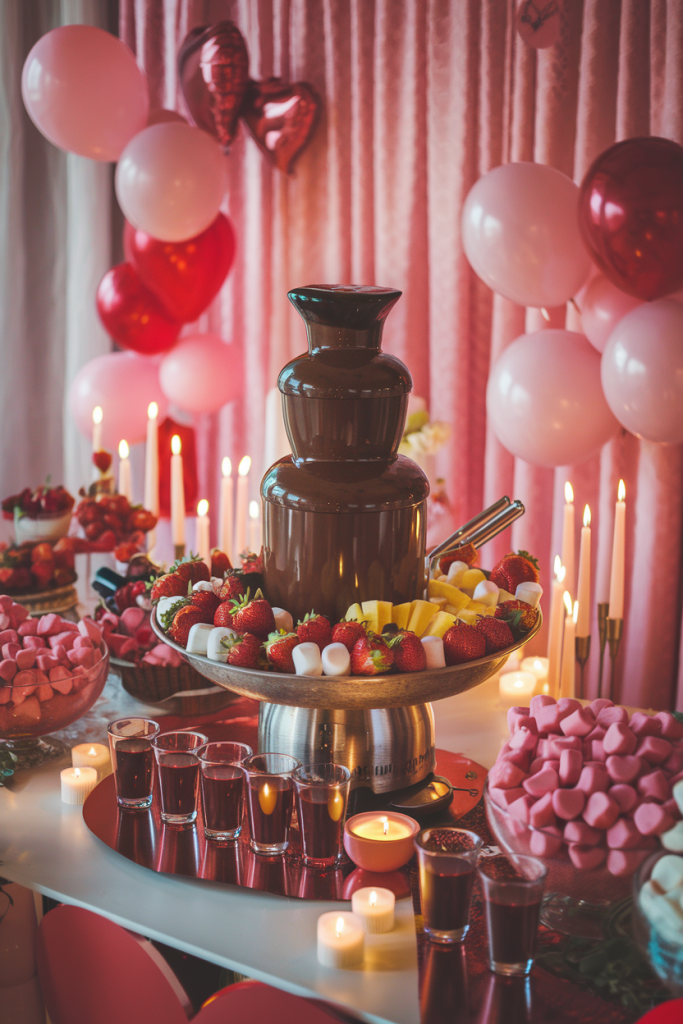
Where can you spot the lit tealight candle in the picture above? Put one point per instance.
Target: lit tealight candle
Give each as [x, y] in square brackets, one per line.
[517, 686]
[97, 415]
[341, 940]
[92, 755]
[380, 842]
[202, 535]
[77, 784]
[226, 510]
[539, 667]
[375, 908]
[382, 828]
[125, 486]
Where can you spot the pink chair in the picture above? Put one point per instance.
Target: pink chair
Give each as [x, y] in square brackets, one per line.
[252, 1002]
[666, 1013]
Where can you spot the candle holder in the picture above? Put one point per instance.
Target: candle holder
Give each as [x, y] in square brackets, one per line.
[614, 628]
[603, 612]
[179, 550]
[583, 649]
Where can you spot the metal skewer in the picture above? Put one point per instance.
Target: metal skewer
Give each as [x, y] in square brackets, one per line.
[483, 528]
[458, 538]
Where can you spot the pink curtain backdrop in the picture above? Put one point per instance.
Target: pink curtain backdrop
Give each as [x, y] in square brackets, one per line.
[421, 97]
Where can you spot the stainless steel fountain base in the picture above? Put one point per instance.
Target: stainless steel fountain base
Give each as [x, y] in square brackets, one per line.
[384, 749]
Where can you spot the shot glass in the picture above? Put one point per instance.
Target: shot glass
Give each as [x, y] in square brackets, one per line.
[447, 861]
[513, 894]
[132, 758]
[270, 800]
[222, 783]
[178, 768]
[322, 791]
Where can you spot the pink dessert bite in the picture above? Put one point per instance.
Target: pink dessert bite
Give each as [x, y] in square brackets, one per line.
[651, 819]
[568, 803]
[543, 782]
[624, 768]
[653, 749]
[601, 811]
[571, 764]
[586, 858]
[619, 739]
[579, 723]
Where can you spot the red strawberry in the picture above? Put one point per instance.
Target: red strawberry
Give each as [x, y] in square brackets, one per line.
[463, 643]
[244, 651]
[252, 562]
[314, 629]
[467, 553]
[514, 569]
[42, 553]
[63, 576]
[279, 647]
[223, 614]
[207, 602]
[220, 563]
[125, 596]
[170, 585]
[183, 621]
[408, 650]
[94, 529]
[347, 633]
[519, 615]
[371, 656]
[497, 634]
[232, 586]
[42, 573]
[253, 616]
[102, 460]
[124, 552]
[192, 568]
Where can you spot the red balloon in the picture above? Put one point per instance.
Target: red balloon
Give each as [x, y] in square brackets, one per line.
[631, 216]
[281, 117]
[132, 314]
[213, 70]
[184, 276]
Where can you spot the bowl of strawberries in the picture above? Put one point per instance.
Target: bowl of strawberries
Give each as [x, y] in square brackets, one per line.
[40, 514]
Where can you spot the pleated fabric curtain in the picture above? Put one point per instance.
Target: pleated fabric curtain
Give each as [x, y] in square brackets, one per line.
[421, 97]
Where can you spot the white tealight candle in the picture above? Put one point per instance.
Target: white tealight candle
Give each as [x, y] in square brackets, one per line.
[341, 939]
[92, 755]
[202, 535]
[539, 667]
[517, 686]
[375, 908]
[382, 827]
[77, 784]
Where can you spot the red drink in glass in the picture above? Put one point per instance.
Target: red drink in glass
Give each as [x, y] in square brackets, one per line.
[178, 768]
[513, 894]
[446, 898]
[270, 800]
[447, 861]
[322, 792]
[132, 758]
[222, 789]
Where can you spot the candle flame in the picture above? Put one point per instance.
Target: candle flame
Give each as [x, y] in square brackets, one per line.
[339, 927]
[202, 507]
[545, 314]
[226, 466]
[152, 410]
[253, 510]
[123, 450]
[568, 602]
[621, 491]
[176, 446]
[568, 493]
[97, 414]
[77, 772]
[587, 515]
[519, 683]
[538, 664]
[92, 752]
[244, 466]
[575, 613]
[558, 568]
[372, 899]
[385, 824]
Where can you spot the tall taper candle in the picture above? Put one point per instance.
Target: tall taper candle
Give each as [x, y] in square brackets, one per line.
[568, 677]
[97, 428]
[203, 546]
[177, 493]
[568, 531]
[125, 486]
[616, 583]
[254, 527]
[225, 526]
[242, 506]
[151, 497]
[555, 629]
[583, 593]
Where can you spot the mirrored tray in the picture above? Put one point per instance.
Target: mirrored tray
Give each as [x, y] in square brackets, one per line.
[343, 693]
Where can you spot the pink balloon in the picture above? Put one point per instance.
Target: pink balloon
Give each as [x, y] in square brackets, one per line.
[545, 402]
[602, 308]
[642, 371]
[163, 116]
[123, 383]
[170, 181]
[84, 91]
[201, 373]
[521, 235]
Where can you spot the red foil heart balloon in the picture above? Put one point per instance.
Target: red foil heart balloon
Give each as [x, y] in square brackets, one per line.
[184, 276]
[213, 68]
[281, 117]
[132, 314]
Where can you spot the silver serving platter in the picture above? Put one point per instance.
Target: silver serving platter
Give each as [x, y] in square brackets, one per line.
[402, 689]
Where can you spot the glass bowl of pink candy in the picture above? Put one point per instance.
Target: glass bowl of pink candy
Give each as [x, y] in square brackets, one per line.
[52, 671]
[587, 790]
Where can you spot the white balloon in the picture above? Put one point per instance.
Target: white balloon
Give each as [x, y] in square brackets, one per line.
[521, 235]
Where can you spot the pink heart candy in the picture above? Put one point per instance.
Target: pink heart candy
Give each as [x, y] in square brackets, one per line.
[46, 661]
[582, 833]
[542, 815]
[18, 614]
[504, 797]
[519, 809]
[655, 785]
[623, 863]
[654, 749]
[645, 725]
[522, 758]
[44, 692]
[612, 714]
[586, 858]
[625, 796]
[26, 659]
[8, 670]
[556, 744]
[65, 640]
[548, 718]
[624, 767]
[598, 751]
[623, 835]
[87, 627]
[26, 677]
[598, 733]
[593, 779]
[601, 811]
[568, 803]
[37, 642]
[599, 703]
[539, 701]
[63, 686]
[543, 782]
[674, 763]
[6, 602]
[28, 628]
[69, 624]
[571, 763]
[567, 705]
[578, 723]
[10, 650]
[505, 775]
[516, 716]
[619, 739]
[84, 642]
[524, 739]
[49, 624]
[545, 844]
[59, 673]
[652, 819]
[672, 729]
[9, 636]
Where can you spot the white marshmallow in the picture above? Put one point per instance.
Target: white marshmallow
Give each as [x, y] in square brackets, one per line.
[487, 593]
[433, 646]
[307, 660]
[198, 637]
[455, 572]
[336, 660]
[214, 647]
[673, 839]
[530, 593]
[203, 585]
[283, 620]
[677, 793]
[668, 872]
[167, 604]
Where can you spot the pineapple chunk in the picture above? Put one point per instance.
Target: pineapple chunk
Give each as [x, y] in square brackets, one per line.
[503, 595]
[453, 596]
[354, 614]
[421, 614]
[441, 622]
[400, 613]
[438, 601]
[377, 614]
[451, 609]
[467, 616]
[490, 610]
[477, 607]
[471, 578]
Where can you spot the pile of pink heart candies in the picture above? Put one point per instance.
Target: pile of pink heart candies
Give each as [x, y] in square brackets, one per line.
[585, 777]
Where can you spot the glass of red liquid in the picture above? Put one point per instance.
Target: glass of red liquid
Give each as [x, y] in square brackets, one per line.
[222, 783]
[322, 791]
[513, 895]
[447, 860]
[178, 770]
[270, 800]
[132, 757]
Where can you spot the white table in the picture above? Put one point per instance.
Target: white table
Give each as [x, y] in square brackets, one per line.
[46, 846]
